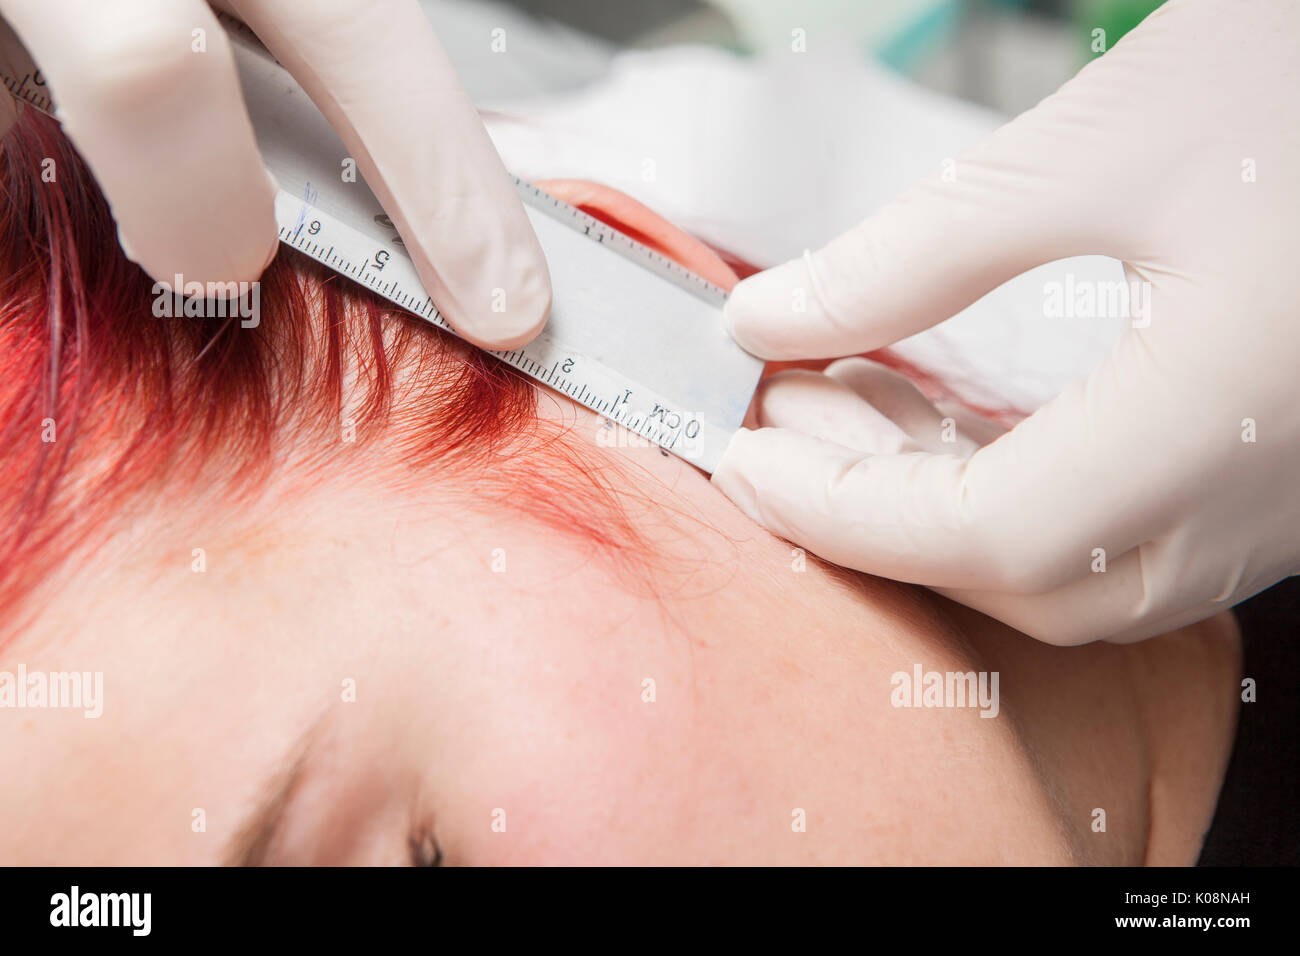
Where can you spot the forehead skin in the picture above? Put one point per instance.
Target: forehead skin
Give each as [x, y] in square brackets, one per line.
[540, 710]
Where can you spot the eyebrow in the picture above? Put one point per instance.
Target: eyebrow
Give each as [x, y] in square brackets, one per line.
[255, 837]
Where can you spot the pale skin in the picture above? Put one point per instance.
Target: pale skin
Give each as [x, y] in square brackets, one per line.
[505, 712]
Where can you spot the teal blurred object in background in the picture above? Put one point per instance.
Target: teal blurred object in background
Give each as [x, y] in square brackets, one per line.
[931, 28]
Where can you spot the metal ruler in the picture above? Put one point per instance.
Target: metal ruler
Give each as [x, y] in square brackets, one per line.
[632, 335]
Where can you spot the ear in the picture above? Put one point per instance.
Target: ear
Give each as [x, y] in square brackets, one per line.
[640, 222]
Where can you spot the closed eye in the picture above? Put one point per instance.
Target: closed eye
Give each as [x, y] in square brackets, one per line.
[424, 848]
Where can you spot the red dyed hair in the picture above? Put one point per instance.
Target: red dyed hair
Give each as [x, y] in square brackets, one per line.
[102, 403]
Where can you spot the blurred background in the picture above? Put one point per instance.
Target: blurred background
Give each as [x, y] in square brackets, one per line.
[1004, 54]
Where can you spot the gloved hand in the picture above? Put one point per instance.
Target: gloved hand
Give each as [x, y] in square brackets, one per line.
[1166, 485]
[164, 129]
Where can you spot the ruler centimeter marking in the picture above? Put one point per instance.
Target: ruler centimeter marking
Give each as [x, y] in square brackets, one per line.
[371, 254]
[588, 382]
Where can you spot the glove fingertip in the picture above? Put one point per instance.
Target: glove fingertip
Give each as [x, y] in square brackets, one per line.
[768, 313]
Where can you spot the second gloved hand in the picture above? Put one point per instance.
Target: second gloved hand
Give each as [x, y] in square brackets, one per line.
[1160, 489]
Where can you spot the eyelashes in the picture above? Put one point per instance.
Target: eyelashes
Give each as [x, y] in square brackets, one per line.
[424, 848]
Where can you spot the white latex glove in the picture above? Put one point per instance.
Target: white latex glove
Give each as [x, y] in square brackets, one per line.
[164, 129]
[1178, 152]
